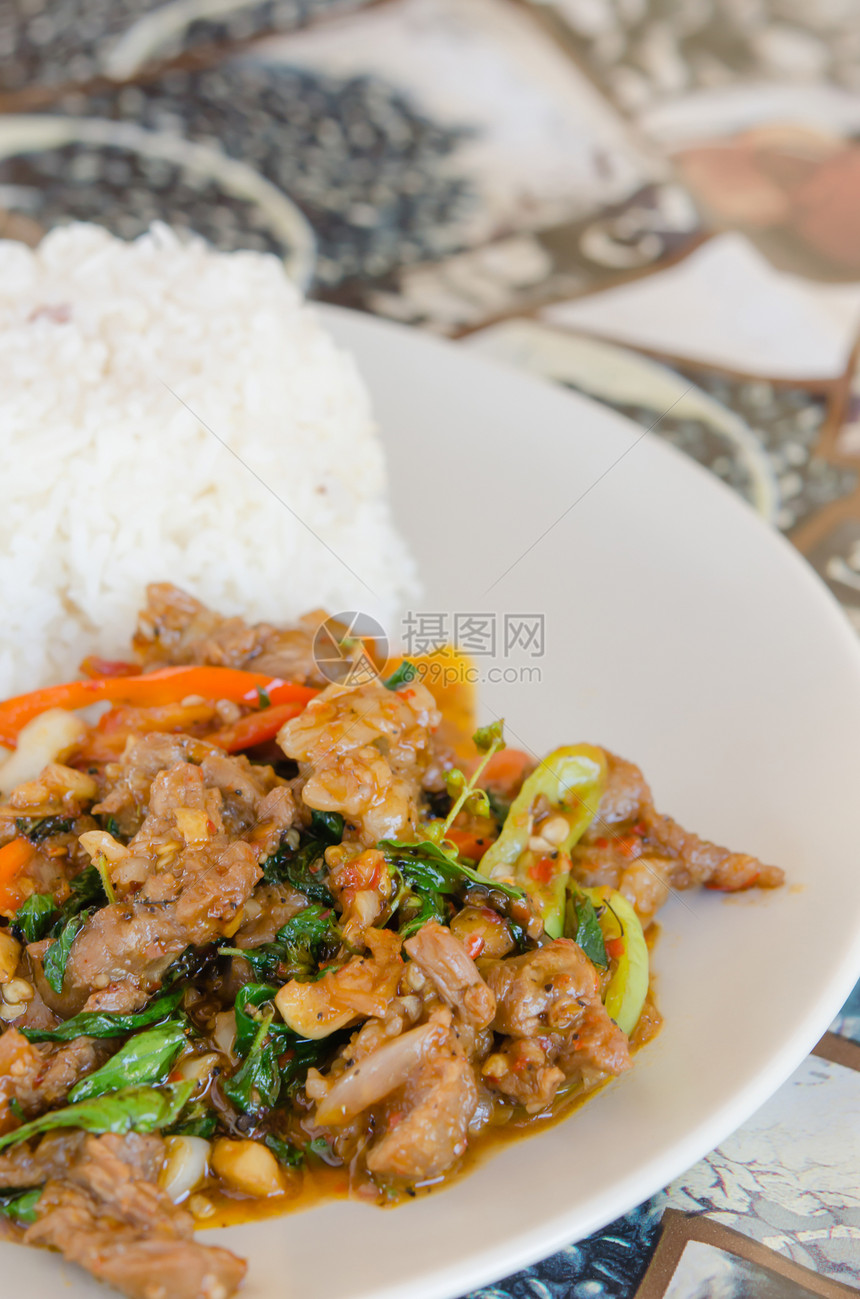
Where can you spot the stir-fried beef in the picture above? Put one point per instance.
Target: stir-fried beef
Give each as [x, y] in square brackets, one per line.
[552, 1022]
[31, 1165]
[453, 973]
[183, 878]
[39, 1077]
[176, 628]
[364, 751]
[634, 848]
[428, 1127]
[106, 1213]
[306, 966]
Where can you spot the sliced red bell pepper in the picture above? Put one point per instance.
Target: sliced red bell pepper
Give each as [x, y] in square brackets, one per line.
[164, 686]
[13, 858]
[506, 769]
[93, 666]
[254, 729]
[468, 844]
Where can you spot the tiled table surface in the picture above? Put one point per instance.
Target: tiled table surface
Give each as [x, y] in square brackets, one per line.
[646, 200]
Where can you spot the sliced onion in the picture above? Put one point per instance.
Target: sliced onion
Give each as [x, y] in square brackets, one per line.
[185, 1166]
[45, 739]
[381, 1072]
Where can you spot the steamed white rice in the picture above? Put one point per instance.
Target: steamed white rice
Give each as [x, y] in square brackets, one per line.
[109, 482]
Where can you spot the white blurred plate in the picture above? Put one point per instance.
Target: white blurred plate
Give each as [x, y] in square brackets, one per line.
[683, 634]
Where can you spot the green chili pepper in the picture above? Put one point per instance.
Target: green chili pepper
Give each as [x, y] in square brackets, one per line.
[625, 944]
[570, 782]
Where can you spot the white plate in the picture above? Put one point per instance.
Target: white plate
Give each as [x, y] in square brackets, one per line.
[683, 634]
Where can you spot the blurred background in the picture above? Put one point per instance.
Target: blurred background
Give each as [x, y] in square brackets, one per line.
[639, 198]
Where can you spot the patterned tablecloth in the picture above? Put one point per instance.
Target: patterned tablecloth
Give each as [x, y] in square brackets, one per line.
[655, 202]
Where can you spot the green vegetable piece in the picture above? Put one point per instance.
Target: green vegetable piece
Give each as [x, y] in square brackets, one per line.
[198, 1121]
[320, 1147]
[490, 737]
[571, 780]
[430, 874]
[86, 891]
[304, 868]
[136, 1109]
[256, 1084]
[56, 958]
[145, 1058]
[250, 999]
[584, 928]
[401, 676]
[286, 1154]
[299, 946]
[628, 987]
[106, 1024]
[39, 828]
[34, 917]
[20, 1206]
[327, 825]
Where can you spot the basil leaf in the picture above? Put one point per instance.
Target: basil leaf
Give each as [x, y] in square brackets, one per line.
[87, 890]
[585, 929]
[427, 866]
[327, 825]
[34, 917]
[430, 875]
[250, 998]
[320, 1147]
[199, 1121]
[39, 828]
[136, 1109]
[20, 1206]
[56, 958]
[292, 1156]
[401, 676]
[94, 1023]
[145, 1058]
[298, 1054]
[418, 909]
[256, 1084]
[303, 868]
[299, 946]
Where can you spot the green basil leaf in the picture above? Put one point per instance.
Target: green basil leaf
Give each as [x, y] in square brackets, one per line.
[300, 945]
[197, 1121]
[56, 958]
[39, 828]
[136, 1109]
[95, 1023]
[249, 999]
[584, 929]
[327, 825]
[87, 890]
[34, 917]
[401, 676]
[145, 1058]
[292, 1156]
[256, 1084]
[20, 1206]
[304, 868]
[427, 866]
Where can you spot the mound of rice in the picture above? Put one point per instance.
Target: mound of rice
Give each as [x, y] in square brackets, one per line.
[110, 482]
